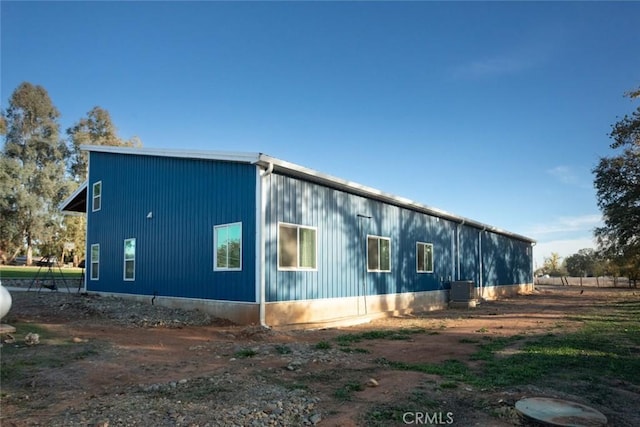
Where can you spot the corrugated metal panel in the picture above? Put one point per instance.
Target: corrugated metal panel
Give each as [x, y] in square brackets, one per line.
[341, 243]
[301, 172]
[174, 248]
[469, 254]
[505, 261]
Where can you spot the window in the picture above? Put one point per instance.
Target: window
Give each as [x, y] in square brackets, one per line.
[424, 257]
[227, 241]
[378, 253]
[296, 247]
[95, 262]
[97, 196]
[130, 259]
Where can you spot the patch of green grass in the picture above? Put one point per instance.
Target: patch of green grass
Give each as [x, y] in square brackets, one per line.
[283, 381]
[23, 328]
[283, 349]
[608, 345]
[380, 334]
[482, 330]
[24, 272]
[487, 350]
[451, 369]
[355, 350]
[20, 362]
[244, 353]
[323, 345]
[449, 384]
[603, 347]
[295, 386]
[345, 392]
[392, 413]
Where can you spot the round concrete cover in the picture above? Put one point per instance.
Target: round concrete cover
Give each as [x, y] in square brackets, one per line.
[558, 412]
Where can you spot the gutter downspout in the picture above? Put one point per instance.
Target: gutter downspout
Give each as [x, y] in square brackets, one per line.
[261, 208]
[481, 284]
[533, 271]
[87, 244]
[458, 248]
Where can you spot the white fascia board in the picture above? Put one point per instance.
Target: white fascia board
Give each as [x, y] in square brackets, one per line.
[188, 154]
[72, 196]
[362, 190]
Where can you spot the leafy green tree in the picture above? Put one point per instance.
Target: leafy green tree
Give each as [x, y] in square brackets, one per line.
[11, 238]
[617, 183]
[552, 265]
[582, 264]
[95, 129]
[33, 170]
[74, 231]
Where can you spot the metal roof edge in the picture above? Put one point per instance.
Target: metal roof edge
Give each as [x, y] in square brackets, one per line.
[296, 170]
[72, 196]
[363, 190]
[188, 154]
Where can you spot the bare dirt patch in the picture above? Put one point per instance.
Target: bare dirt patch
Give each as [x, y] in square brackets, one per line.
[107, 361]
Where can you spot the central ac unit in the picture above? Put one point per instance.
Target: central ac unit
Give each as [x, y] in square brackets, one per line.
[462, 291]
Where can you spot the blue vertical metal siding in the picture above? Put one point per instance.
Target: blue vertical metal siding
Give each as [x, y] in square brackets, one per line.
[341, 239]
[469, 253]
[505, 261]
[174, 248]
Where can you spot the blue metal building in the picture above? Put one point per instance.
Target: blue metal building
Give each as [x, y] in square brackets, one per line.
[256, 239]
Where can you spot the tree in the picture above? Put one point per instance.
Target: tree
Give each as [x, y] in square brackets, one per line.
[582, 264]
[32, 180]
[552, 264]
[617, 183]
[95, 129]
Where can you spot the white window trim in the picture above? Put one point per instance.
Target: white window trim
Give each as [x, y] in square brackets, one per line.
[367, 243]
[124, 262]
[298, 227]
[432, 258]
[215, 248]
[94, 197]
[92, 261]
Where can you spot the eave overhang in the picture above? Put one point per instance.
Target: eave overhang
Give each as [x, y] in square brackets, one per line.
[297, 171]
[76, 203]
[291, 169]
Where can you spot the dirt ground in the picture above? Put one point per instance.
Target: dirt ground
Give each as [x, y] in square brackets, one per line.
[103, 367]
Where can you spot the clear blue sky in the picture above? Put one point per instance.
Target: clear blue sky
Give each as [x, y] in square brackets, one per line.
[495, 111]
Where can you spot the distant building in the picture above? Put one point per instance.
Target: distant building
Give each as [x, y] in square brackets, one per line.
[255, 239]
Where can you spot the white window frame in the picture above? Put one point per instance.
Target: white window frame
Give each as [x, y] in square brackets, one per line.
[94, 197]
[124, 262]
[418, 244]
[215, 248]
[94, 261]
[298, 227]
[379, 238]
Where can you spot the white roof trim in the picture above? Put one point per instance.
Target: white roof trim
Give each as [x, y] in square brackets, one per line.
[352, 187]
[293, 169]
[208, 155]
